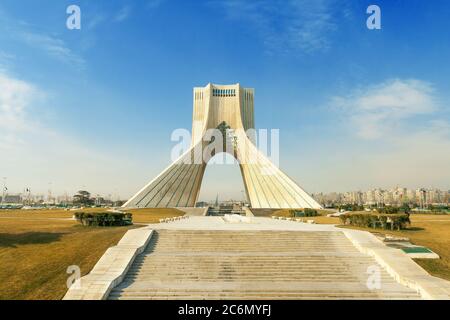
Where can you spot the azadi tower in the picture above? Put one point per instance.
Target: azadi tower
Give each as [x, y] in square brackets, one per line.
[230, 109]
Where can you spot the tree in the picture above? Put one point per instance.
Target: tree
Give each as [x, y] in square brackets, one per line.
[83, 198]
[405, 208]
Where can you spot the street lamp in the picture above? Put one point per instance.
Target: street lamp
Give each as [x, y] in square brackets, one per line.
[4, 190]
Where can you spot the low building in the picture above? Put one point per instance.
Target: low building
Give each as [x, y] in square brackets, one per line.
[11, 199]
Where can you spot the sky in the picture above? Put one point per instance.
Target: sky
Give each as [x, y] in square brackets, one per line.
[95, 108]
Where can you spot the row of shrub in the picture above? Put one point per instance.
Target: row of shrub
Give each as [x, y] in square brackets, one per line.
[307, 212]
[350, 207]
[104, 219]
[393, 210]
[377, 220]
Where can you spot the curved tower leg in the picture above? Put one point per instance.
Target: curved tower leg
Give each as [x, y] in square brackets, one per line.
[267, 186]
[177, 186]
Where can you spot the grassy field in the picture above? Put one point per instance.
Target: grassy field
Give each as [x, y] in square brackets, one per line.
[321, 219]
[36, 247]
[153, 215]
[431, 231]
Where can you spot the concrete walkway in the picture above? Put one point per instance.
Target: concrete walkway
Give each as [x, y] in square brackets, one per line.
[246, 223]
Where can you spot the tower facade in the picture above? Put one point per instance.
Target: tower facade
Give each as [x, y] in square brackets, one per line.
[228, 109]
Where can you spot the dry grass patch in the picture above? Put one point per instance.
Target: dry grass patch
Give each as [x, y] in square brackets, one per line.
[37, 247]
[152, 215]
[321, 219]
[431, 231]
[44, 214]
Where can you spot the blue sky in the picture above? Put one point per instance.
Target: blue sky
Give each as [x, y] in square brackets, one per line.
[94, 108]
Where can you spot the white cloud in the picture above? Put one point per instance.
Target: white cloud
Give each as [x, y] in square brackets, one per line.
[32, 152]
[55, 47]
[395, 133]
[95, 20]
[123, 14]
[377, 110]
[15, 95]
[22, 31]
[5, 60]
[153, 4]
[419, 158]
[412, 159]
[287, 26]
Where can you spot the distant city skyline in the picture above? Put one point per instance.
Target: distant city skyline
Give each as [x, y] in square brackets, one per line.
[86, 109]
[395, 194]
[392, 196]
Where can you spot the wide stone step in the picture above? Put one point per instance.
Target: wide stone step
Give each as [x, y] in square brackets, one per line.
[263, 290]
[237, 278]
[260, 295]
[214, 258]
[247, 258]
[253, 265]
[235, 275]
[263, 269]
[290, 286]
[194, 268]
[249, 250]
